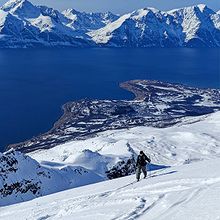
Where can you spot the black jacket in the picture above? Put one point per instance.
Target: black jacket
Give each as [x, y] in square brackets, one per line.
[142, 160]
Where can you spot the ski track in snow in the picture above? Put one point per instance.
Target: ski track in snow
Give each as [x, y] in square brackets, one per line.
[187, 190]
[157, 197]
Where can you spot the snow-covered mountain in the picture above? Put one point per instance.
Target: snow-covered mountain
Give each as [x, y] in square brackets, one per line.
[191, 27]
[146, 27]
[192, 148]
[23, 178]
[200, 25]
[88, 21]
[26, 25]
[23, 24]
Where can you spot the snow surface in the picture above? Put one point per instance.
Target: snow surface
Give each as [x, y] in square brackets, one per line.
[22, 178]
[3, 14]
[183, 192]
[186, 188]
[195, 139]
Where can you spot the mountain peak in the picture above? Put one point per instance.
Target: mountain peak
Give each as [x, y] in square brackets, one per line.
[12, 4]
[199, 8]
[146, 27]
[143, 12]
[70, 11]
[205, 9]
[70, 14]
[202, 7]
[22, 8]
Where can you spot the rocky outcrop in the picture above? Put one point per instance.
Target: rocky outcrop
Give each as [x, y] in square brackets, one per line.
[23, 178]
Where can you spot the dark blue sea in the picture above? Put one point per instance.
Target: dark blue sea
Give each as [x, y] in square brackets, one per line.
[34, 83]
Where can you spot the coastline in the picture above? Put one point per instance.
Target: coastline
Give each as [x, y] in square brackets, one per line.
[85, 118]
[66, 115]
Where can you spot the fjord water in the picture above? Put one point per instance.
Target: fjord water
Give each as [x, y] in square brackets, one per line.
[34, 83]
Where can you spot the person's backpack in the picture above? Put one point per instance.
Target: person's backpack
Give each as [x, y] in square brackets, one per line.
[148, 159]
[141, 160]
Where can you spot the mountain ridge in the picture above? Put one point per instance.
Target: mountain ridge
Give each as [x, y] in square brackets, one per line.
[41, 26]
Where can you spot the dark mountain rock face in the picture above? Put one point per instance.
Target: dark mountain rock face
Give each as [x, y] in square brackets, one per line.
[22, 178]
[121, 169]
[13, 183]
[157, 104]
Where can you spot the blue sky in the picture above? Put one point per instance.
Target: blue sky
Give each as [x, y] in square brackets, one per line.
[122, 6]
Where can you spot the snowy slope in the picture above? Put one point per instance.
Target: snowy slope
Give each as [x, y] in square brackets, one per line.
[28, 25]
[191, 26]
[22, 178]
[21, 8]
[41, 26]
[199, 25]
[109, 155]
[146, 27]
[195, 139]
[10, 25]
[85, 22]
[183, 192]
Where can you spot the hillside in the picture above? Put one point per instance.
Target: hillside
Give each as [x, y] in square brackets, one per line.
[183, 192]
[110, 154]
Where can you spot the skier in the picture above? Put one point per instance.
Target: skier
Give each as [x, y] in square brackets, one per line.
[141, 165]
